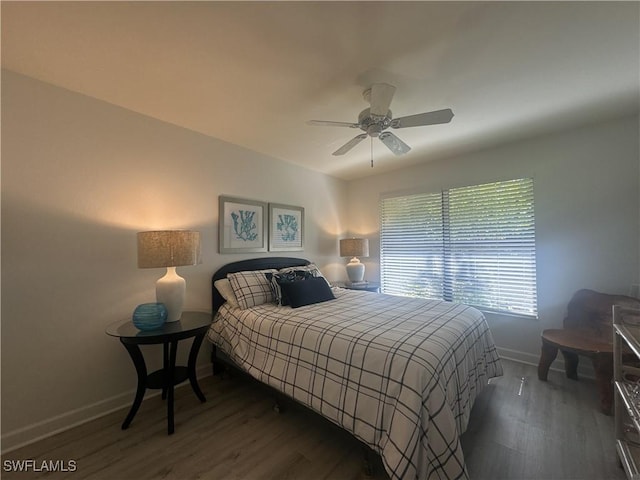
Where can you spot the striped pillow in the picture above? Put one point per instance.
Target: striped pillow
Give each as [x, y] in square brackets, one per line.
[252, 288]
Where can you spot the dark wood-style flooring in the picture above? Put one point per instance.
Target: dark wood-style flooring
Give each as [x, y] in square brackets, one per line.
[520, 428]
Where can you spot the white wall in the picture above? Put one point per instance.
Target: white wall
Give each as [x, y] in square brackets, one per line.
[79, 178]
[586, 205]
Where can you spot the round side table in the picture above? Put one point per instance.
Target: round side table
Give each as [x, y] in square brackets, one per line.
[191, 325]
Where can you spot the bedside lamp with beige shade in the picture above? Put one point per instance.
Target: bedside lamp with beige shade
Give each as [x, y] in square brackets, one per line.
[354, 247]
[171, 249]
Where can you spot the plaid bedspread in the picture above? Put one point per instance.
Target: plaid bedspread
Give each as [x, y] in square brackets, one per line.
[400, 374]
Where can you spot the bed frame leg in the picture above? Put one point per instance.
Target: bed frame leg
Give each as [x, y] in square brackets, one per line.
[216, 365]
[278, 406]
[368, 464]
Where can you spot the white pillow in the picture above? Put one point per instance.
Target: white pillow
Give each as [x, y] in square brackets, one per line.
[252, 288]
[226, 290]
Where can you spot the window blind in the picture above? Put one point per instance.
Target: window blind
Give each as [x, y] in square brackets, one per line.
[411, 246]
[474, 245]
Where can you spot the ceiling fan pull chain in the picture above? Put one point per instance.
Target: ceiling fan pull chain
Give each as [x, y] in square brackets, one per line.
[371, 152]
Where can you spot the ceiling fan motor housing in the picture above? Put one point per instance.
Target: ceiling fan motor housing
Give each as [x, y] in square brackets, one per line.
[373, 124]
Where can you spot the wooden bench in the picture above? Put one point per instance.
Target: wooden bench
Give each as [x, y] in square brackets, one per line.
[587, 332]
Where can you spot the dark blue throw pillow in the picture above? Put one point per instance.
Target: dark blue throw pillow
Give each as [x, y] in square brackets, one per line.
[306, 292]
[279, 279]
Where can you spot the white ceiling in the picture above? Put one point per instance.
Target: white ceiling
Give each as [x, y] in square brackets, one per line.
[253, 73]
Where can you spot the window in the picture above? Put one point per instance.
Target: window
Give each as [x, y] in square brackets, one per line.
[474, 245]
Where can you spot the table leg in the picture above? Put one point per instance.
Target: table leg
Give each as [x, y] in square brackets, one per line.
[571, 360]
[547, 356]
[165, 366]
[193, 356]
[141, 369]
[603, 366]
[171, 372]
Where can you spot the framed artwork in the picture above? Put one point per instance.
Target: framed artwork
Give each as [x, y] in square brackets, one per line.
[286, 228]
[242, 225]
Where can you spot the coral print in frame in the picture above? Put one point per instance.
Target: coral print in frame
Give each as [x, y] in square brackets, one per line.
[286, 228]
[242, 225]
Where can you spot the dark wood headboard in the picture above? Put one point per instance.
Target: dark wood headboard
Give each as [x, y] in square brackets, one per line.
[246, 265]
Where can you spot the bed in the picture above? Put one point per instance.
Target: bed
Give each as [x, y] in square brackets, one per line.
[400, 374]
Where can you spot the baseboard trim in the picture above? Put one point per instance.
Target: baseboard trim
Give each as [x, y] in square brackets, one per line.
[517, 356]
[46, 428]
[585, 370]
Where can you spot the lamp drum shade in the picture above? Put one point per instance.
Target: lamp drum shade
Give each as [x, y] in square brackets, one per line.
[168, 248]
[354, 247]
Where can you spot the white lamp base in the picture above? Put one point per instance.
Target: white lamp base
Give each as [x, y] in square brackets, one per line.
[355, 270]
[170, 290]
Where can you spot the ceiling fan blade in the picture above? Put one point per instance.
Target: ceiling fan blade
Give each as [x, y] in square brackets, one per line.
[326, 123]
[350, 144]
[381, 96]
[421, 119]
[393, 143]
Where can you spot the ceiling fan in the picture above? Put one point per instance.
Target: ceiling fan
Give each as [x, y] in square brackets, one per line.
[376, 119]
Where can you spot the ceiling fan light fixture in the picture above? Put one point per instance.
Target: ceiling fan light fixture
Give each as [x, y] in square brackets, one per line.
[374, 130]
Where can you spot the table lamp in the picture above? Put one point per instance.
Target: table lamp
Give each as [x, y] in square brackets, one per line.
[171, 249]
[354, 247]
